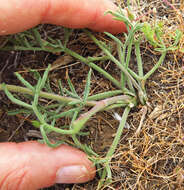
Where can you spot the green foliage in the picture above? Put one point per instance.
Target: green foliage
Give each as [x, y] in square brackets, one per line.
[130, 88]
[149, 33]
[36, 123]
[154, 33]
[87, 87]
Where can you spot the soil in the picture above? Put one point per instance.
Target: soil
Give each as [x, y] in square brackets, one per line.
[153, 159]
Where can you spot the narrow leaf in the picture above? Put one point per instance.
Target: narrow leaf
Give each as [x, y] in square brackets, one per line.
[72, 88]
[44, 78]
[61, 90]
[24, 82]
[14, 100]
[87, 86]
[46, 140]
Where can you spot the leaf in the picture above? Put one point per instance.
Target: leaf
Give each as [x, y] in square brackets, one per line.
[67, 113]
[20, 111]
[71, 86]
[119, 15]
[61, 90]
[44, 78]
[149, 33]
[72, 103]
[36, 74]
[38, 37]
[177, 37]
[36, 123]
[71, 94]
[24, 82]
[159, 28]
[67, 33]
[87, 86]
[14, 100]
[47, 86]
[130, 15]
[114, 38]
[46, 140]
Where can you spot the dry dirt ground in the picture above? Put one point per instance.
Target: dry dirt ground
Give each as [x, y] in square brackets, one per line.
[152, 159]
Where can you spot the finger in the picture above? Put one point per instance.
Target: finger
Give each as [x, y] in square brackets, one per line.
[19, 15]
[31, 166]
[84, 13]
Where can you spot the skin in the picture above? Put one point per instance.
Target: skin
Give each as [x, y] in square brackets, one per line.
[19, 15]
[31, 165]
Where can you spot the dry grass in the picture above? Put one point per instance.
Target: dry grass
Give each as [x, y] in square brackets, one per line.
[153, 159]
[151, 156]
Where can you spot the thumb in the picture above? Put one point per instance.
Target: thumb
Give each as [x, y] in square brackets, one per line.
[31, 166]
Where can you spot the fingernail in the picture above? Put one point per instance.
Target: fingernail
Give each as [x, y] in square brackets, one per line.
[72, 174]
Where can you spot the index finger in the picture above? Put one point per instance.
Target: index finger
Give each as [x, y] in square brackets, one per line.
[20, 15]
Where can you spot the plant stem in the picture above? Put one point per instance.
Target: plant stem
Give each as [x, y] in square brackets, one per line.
[137, 77]
[139, 60]
[58, 130]
[77, 124]
[104, 95]
[115, 143]
[112, 58]
[92, 59]
[50, 96]
[94, 66]
[118, 134]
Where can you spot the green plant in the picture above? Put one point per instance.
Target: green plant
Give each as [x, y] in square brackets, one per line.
[130, 91]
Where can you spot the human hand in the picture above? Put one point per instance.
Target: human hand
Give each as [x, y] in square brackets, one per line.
[31, 165]
[20, 15]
